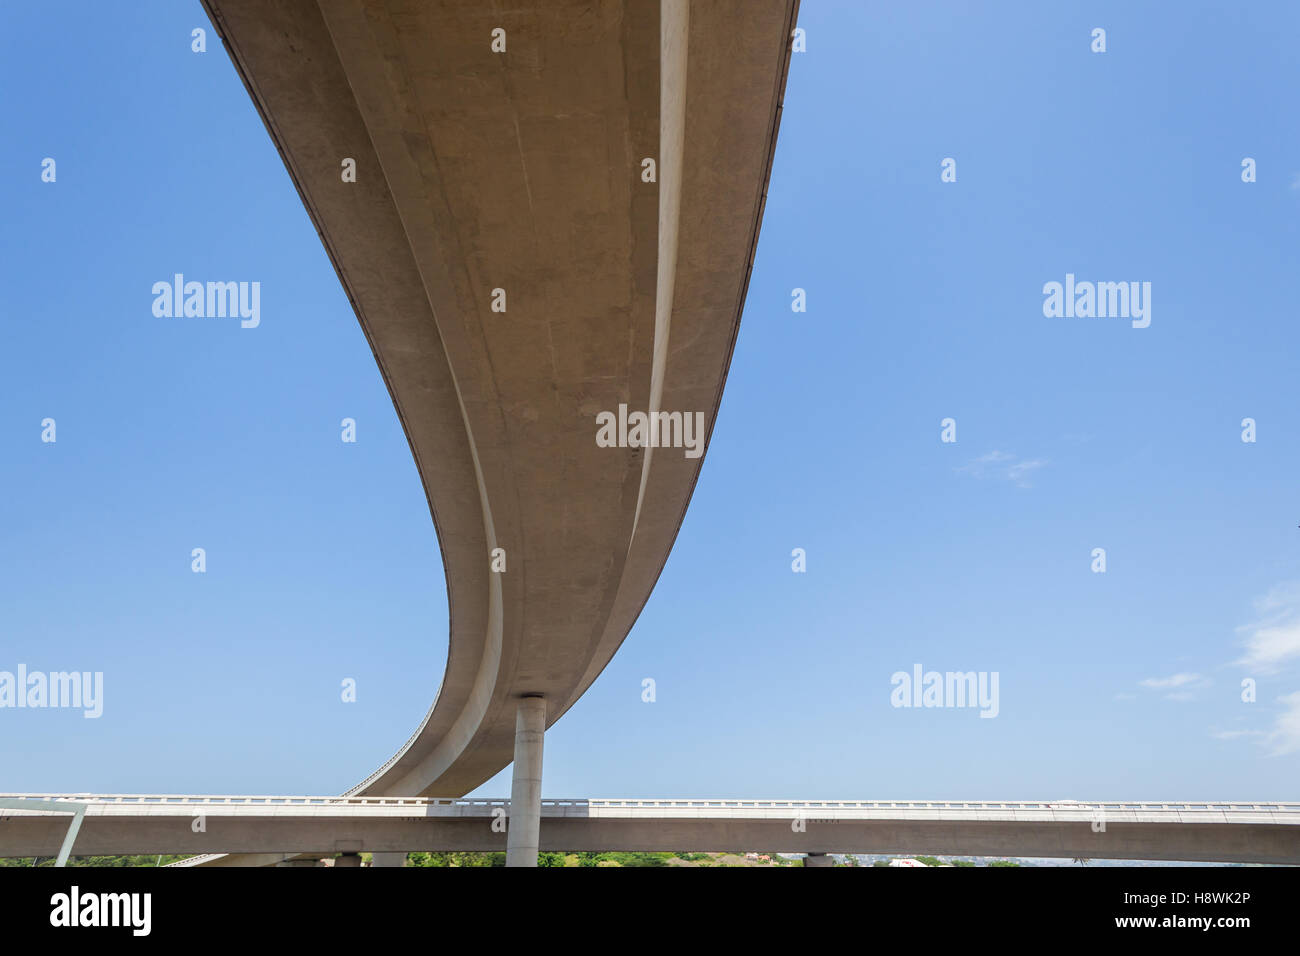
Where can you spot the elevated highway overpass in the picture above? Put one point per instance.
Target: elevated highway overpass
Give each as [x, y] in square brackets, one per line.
[552, 212]
[543, 212]
[272, 829]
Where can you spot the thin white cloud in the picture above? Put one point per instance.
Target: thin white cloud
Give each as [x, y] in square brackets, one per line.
[1018, 471]
[1000, 464]
[1181, 686]
[1267, 648]
[1284, 738]
[1176, 680]
[978, 466]
[1274, 639]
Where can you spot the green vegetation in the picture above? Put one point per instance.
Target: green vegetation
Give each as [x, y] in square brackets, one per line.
[587, 859]
[935, 861]
[613, 858]
[140, 860]
[458, 859]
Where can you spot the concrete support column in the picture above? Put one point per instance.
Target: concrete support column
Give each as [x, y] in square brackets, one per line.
[385, 858]
[347, 859]
[818, 859]
[525, 823]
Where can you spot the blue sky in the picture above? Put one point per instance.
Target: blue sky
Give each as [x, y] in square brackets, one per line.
[924, 302]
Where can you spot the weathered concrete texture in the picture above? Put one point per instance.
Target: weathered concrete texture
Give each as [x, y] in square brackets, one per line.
[521, 171]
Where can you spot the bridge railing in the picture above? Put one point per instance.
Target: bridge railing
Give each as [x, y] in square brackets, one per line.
[945, 805]
[219, 800]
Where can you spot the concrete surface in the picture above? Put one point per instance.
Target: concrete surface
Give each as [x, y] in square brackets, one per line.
[276, 827]
[521, 171]
[525, 816]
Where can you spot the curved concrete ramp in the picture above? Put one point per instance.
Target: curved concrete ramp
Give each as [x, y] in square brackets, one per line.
[516, 277]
